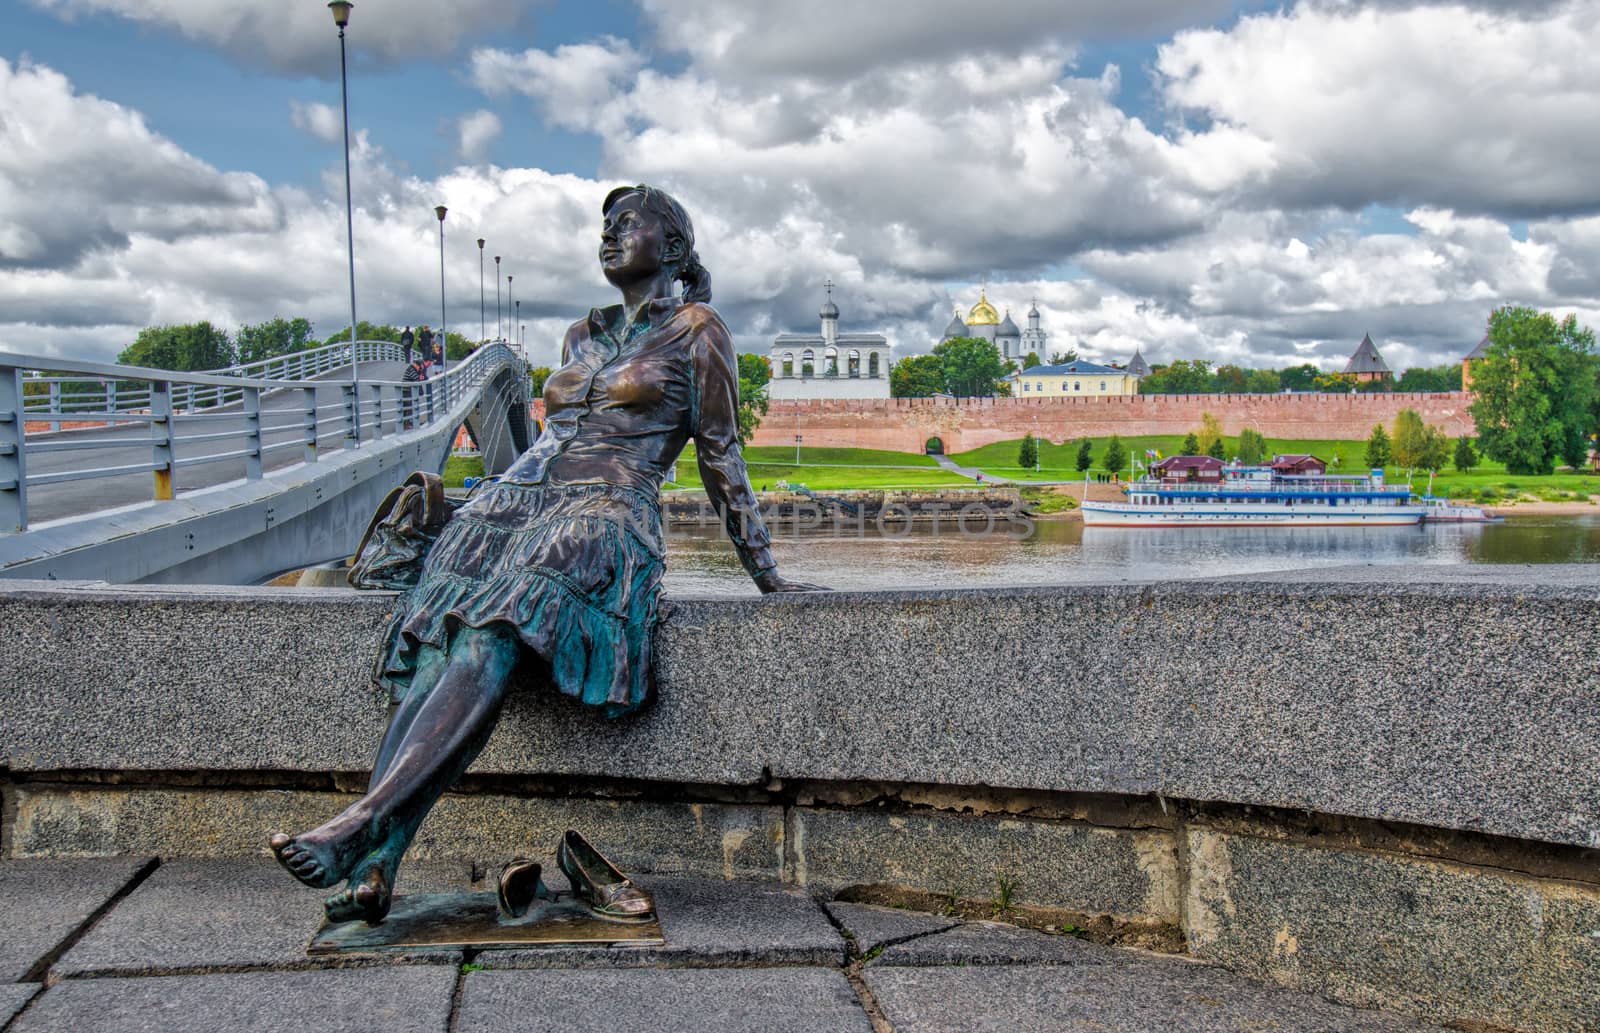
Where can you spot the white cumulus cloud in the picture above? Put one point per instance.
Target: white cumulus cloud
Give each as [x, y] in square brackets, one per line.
[476, 131]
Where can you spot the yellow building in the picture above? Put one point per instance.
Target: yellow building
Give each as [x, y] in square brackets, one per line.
[1074, 380]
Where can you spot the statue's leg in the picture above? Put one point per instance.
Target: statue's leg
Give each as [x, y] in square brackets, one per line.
[435, 732]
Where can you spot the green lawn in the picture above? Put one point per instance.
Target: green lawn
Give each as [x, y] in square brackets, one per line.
[457, 468]
[1487, 482]
[841, 468]
[831, 468]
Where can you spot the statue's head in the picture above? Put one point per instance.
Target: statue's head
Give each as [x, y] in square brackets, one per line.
[646, 230]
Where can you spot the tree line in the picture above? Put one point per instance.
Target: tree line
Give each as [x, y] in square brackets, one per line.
[973, 367]
[188, 347]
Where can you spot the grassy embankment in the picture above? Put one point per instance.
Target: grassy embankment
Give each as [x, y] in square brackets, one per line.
[1487, 482]
[833, 469]
[821, 469]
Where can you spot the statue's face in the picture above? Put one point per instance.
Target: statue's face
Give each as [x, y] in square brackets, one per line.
[631, 241]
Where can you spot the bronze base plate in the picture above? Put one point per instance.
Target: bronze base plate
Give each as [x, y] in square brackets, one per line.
[434, 921]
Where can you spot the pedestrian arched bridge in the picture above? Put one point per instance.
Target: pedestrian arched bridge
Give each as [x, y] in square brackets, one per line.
[128, 474]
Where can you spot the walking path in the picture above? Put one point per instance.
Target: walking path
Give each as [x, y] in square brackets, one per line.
[967, 471]
[125, 944]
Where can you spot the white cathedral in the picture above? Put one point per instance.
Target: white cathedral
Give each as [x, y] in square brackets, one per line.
[985, 322]
[829, 364]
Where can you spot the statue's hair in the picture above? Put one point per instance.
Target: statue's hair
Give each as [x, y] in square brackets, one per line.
[694, 277]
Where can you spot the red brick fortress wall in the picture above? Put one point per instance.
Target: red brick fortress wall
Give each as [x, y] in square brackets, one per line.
[905, 424]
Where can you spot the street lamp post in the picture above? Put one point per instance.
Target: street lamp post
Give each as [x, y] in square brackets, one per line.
[444, 337]
[498, 333]
[341, 18]
[797, 440]
[516, 320]
[509, 295]
[483, 321]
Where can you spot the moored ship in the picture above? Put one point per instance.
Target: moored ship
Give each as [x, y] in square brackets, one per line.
[1293, 491]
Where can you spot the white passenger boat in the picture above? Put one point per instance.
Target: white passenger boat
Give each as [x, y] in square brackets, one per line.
[1199, 491]
[1436, 510]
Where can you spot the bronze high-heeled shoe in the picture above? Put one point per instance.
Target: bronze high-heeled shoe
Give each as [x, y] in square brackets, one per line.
[519, 884]
[598, 883]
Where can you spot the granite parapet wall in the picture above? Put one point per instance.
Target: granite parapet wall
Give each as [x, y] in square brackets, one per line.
[906, 424]
[1388, 793]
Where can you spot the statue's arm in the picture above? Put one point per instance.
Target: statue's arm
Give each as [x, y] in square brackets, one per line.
[715, 428]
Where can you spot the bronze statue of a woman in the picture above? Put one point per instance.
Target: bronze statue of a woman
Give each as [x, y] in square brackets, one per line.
[551, 575]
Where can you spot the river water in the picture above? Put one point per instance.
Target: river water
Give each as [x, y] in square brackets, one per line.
[700, 561]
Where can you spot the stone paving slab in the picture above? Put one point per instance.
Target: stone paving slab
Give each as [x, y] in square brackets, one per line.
[1135, 994]
[994, 943]
[708, 923]
[45, 901]
[758, 1000]
[875, 927]
[242, 912]
[12, 997]
[411, 999]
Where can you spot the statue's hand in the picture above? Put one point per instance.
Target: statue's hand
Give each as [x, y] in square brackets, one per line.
[769, 581]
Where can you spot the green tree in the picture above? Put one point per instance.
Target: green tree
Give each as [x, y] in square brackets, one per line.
[755, 369]
[753, 376]
[1116, 456]
[1298, 378]
[1191, 444]
[1085, 456]
[1209, 434]
[1466, 456]
[1181, 377]
[536, 378]
[1536, 391]
[277, 336]
[1262, 382]
[186, 347]
[456, 346]
[1408, 440]
[1028, 452]
[1030, 360]
[1062, 358]
[1232, 380]
[972, 366]
[366, 331]
[1431, 378]
[1218, 449]
[1435, 449]
[1378, 453]
[916, 376]
[1252, 447]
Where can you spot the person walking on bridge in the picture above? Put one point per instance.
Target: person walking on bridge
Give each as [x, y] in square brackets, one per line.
[416, 372]
[425, 342]
[407, 341]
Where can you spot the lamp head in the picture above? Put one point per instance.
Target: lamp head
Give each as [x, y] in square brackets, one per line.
[439, 210]
[480, 243]
[341, 12]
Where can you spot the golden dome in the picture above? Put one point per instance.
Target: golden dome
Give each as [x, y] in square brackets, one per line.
[983, 313]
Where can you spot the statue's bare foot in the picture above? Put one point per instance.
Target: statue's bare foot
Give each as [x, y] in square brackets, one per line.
[321, 857]
[366, 898]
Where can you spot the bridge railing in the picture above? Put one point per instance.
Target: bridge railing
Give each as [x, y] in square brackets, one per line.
[199, 418]
[313, 362]
[68, 399]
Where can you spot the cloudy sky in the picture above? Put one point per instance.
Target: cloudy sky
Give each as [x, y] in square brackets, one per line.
[1240, 182]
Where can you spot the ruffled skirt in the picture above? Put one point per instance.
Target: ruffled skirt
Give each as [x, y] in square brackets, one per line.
[573, 569]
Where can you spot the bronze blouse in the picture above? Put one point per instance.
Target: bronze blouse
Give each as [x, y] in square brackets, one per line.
[620, 412]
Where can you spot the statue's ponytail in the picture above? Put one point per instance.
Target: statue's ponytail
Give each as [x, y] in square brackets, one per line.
[695, 279]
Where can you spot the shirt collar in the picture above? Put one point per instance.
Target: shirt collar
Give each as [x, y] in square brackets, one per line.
[656, 312]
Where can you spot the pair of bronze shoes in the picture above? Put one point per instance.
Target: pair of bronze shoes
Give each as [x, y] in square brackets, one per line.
[609, 894]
